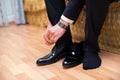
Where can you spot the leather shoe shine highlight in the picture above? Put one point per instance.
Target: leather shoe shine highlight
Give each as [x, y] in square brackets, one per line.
[75, 56]
[58, 52]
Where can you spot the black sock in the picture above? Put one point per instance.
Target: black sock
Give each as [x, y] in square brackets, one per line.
[91, 60]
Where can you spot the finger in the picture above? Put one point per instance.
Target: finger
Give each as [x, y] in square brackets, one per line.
[45, 41]
[48, 43]
[51, 34]
[46, 38]
[48, 35]
[54, 37]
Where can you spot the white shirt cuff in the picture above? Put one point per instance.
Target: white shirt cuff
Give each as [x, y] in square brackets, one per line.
[66, 19]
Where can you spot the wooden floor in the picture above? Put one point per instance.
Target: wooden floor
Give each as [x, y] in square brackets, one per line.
[21, 46]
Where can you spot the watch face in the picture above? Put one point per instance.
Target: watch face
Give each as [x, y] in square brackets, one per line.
[62, 25]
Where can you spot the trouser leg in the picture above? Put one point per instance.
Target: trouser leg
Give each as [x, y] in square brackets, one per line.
[55, 9]
[96, 11]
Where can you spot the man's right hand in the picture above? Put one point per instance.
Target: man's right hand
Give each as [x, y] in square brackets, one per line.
[47, 41]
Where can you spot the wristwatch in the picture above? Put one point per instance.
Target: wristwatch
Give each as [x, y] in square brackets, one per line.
[62, 25]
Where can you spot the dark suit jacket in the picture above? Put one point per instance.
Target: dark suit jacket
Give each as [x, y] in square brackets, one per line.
[112, 1]
[74, 7]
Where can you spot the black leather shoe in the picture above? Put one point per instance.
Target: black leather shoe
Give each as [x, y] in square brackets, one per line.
[75, 56]
[58, 52]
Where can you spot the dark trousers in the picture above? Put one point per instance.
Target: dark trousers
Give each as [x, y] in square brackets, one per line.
[96, 11]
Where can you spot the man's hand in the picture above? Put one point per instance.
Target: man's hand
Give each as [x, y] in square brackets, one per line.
[52, 34]
[48, 26]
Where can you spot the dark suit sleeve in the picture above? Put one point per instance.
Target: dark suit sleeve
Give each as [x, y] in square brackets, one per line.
[73, 9]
